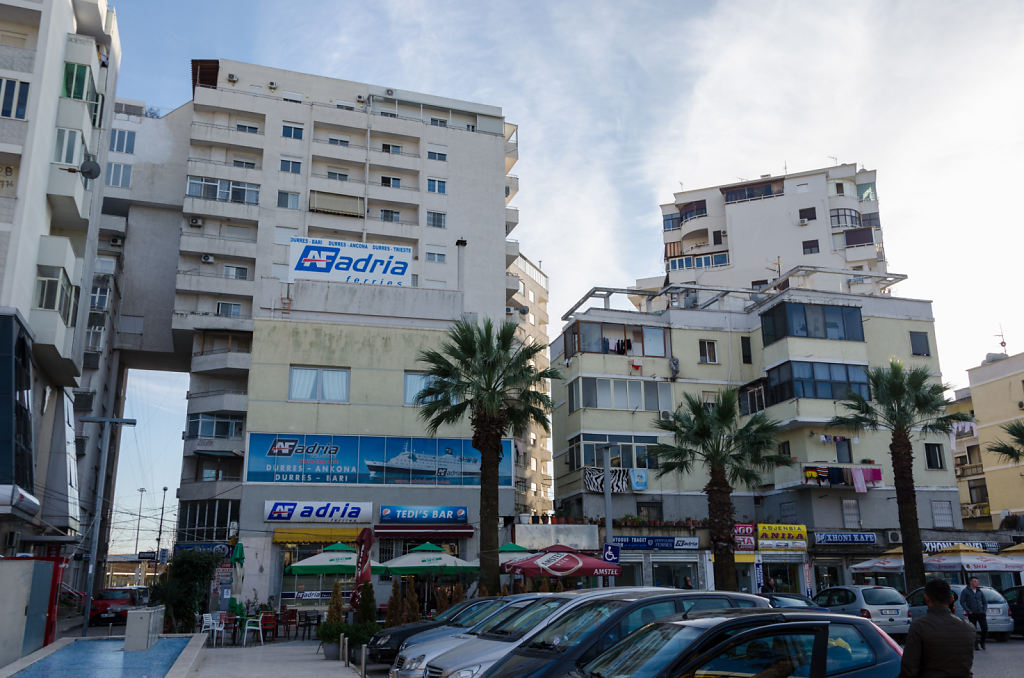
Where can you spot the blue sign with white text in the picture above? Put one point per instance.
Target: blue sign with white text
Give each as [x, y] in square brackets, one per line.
[657, 543]
[368, 460]
[845, 538]
[424, 514]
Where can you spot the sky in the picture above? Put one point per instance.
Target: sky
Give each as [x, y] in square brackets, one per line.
[620, 104]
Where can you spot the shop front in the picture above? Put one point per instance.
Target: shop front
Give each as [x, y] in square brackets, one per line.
[669, 561]
[833, 553]
[783, 553]
[401, 528]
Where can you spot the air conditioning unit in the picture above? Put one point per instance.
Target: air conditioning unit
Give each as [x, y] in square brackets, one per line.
[390, 92]
[116, 241]
[195, 222]
[272, 85]
[804, 222]
[1020, 404]
[360, 98]
[232, 77]
[894, 536]
[509, 310]
[208, 259]
[665, 415]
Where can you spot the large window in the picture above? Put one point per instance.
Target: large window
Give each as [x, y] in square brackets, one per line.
[934, 459]
[212, 469]
[54, 292]
[620, 394]
[693, 210]
[751, 193]
[119, 175]
[13, 99]
[670, 222]
[318, 384]
[436, 219]
[828, 381]
[713, 260]
[68, 149]
[223, 190]
[919, 343]
[414, 383]
[811, 320]
[627, 451]
[844, 218]
[207, 519]
[78, 84]
[122, 141]
[634, 340]
[228, 426]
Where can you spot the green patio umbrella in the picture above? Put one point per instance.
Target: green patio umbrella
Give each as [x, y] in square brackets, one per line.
[335, 559]
[428, 559]
[238, 555]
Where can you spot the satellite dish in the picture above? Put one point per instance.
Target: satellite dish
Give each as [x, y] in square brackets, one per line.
[90, 169]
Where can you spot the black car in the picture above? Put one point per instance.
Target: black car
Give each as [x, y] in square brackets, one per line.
[1015, 597]
[591, 628]
[383, 647]
[779, 642]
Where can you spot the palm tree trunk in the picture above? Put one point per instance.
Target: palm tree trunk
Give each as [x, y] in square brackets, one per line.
[720, 526]
[906, 502]
[487, 438]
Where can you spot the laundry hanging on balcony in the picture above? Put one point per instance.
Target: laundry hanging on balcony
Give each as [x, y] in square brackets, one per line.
[840, 476]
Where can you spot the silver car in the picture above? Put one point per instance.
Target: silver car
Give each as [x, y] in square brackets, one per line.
[466, 621]
[412, 659]
[883, 605]
[1000, 623]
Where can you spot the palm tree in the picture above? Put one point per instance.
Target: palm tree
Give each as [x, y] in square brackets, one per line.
[487, 374]
[1012, 452]
[709, 435]
[904, 400]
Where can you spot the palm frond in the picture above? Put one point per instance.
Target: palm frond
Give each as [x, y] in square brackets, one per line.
[1013, 451]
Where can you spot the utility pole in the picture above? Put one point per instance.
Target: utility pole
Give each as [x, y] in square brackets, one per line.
[138, 523]
[159, 535]
[98, 512]
[608, 500]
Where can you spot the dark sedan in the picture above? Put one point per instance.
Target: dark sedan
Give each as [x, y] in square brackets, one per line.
[780, 642]
[383, 647]
[1015, 597]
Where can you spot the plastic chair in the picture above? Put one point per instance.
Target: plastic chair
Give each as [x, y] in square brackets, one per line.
[230, 622]
[253, 624]
[269, 624]
[213, 627]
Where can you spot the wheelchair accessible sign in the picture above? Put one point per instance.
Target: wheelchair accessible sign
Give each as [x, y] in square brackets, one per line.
[610, 553]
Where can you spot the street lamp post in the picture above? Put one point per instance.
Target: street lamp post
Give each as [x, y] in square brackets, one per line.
[159, 535]
[138, 523]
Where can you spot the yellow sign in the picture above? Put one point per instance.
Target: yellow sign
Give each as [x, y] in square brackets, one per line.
[774, 537]
[307, 535]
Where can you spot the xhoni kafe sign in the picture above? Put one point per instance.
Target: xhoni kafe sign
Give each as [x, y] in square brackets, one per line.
[347, 261]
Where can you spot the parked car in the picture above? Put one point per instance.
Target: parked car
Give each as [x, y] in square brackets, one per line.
[784, 641]
[1015, 599]
[383, 646]
[583, 633]
[792, 600]
[470, 658]
[413, 657]
[111, 605]
[1000, 622]
[883, 605]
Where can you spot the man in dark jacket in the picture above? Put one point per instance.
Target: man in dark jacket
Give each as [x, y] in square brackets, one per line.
[939, 645]
[972, 599]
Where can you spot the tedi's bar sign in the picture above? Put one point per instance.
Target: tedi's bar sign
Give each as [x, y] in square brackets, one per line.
[348, 261]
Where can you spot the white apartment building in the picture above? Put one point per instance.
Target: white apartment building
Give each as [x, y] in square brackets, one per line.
[749, 233]
[58, 72]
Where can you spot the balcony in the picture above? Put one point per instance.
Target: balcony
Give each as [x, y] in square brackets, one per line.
[221, 209]
[795, 476]
[323, 148]
[194, 445]
[969, 470]
[511, 187]
[201, 282]
[12, 132]
[868, 251]
[93, 18]
[217, 245]
[511, 145]
[352, 186]
[511, 285]
[53, 346]
[511, 219]
[209, 320]
[217, 169]
[219, 400]
[511, 251]
[221, 362]
[191, 490]
[68, 198]
[224, 135]
[385, 159]
[977, 510]
[401, 194]
[17, 59]
[77, 115]
[113, 224]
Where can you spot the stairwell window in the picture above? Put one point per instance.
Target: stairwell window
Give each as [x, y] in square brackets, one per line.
[318, 384]
[98, 297]
[933, 457]
[122, 141]
[437, 186]
[119, 175]
[708, 351]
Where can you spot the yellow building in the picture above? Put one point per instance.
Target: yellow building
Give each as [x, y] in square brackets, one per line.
[970, 474]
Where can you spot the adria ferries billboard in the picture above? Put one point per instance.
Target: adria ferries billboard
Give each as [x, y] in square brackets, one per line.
[361, 263]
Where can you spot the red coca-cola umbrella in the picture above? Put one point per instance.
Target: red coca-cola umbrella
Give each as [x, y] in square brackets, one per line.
[561, 561]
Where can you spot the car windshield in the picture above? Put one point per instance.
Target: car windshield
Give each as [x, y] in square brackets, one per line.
[113, 594]
[645, 653]
[993, 597]
[571, 627]
[883, 596]
[475, 615]
[501, 616]
[452, 611]
[519, 625]
[791, 601]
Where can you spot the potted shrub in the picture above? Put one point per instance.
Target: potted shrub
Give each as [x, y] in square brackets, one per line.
[330, 631]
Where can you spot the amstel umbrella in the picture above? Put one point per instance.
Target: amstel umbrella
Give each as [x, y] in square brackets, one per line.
[428, 559]
[970, 559]
[561, 561]
[337, 558]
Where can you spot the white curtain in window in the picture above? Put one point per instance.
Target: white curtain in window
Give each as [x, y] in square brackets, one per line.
[414, 383]
[334, 384]
[302, 384]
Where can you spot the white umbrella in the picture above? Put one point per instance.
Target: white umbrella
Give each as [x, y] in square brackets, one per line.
[883, 564]
[331, 561]
[428, 559]
[970, 559]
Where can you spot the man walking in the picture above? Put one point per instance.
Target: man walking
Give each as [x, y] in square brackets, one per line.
[938, 644]
[972, 599]
[769, 586]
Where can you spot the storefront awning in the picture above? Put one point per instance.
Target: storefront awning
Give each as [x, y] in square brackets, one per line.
[740, 557]
[306, 535]
[217, 453]
[417, 531]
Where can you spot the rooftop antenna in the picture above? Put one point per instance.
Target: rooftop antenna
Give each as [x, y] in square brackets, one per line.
[835, 160]
[785, 168]
[1002, 339]
[681, 186]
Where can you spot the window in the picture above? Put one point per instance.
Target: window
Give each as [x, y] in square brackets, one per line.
[750, 193]
[236, 272]
[919, 343]
[844, 455]
[829, 381]
[78, 84]
[388, 114]
[54, 292]
[244, 164]
[934, 459]
[649, 510]
[94, 338]
[752, 399]
[227, 309]
[291, 131]
[435, 254]
[787, 512]
[758, 284]
[780, 653]
[248, 129]
[223, 190]
[620, 394]
[840, 189]
[811, 320]
[13, 99]
[811, 247]
[978, 490]
[337, 141]
[391, 148]
[670, 222]
[294, 97]
[532, 318]
[211, 469]
[783, 449]
[291, 166]
[119, 175]
[708, 351]
[288, 200]
[438, 122]
[844, 218]
[122, 141]
[336, 175]
[99, 297]
[846, 650]
[390, 215]
[414, 383]
[105, 265]
[693, 210]
[318, 384]
[393, 182]
[745, 351]
[531, 295]
[437, 152]
[808, 213]
[437, 186]
[436, 219]
[942, 513]
[717, 236]
[533, 463]
[870, 219]
[68, 148]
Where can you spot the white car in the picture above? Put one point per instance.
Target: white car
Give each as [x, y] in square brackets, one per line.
[883, 605]
[997, 610]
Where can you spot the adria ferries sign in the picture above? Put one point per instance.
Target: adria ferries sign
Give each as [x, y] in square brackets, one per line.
[317, 512]
[362, 263]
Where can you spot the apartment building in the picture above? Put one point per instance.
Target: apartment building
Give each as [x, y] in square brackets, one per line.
[527, 299]
[747, 234]
[58, 73]
[970, 472]
[321, 233]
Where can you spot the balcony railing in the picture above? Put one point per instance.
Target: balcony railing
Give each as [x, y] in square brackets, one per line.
[223, 276]
[969, 470]
[219, 351]
[221, 391]
[977, 510]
